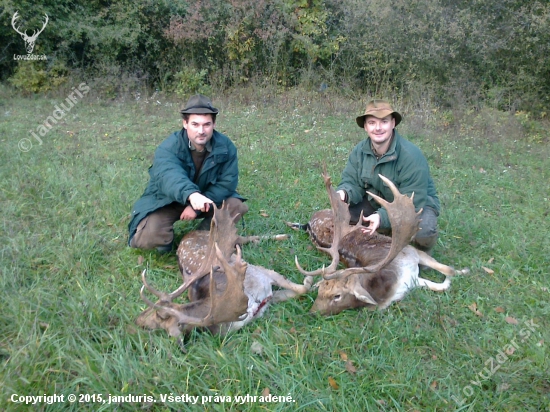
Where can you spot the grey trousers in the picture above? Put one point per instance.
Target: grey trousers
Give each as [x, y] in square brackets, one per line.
[425, 238]
[157, 228]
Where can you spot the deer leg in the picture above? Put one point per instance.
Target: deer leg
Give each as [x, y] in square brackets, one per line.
[436, 287]
[283, 294]
[291, 289]
[243, 240]
[427, 260]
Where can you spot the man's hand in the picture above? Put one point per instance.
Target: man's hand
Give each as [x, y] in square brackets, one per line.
[374, 223]
[188, 214]
[342, 195]
[199, 202]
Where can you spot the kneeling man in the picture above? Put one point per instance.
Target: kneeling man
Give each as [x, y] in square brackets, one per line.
[384, 151]
[193, 169]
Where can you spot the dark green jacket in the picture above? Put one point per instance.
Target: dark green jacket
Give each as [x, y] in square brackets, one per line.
[172, 174]
[404, 164]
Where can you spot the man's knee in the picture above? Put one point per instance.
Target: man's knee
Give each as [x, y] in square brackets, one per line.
[156, 230]
[426, 238]
[425, 243]
[150, 234]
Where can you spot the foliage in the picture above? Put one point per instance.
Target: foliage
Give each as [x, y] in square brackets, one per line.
[189, 81]
[69, 285]
[533, 130]
[37, 77]
[477, 52]
[93, 35]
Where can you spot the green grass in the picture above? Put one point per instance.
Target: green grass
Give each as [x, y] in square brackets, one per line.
[69, 286]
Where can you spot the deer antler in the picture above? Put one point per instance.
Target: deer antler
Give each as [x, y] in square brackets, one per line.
[223, 232]
[341, 218]
[232, 303]
[163, 297]
[228, 307]
[404, 222]
[222, 229]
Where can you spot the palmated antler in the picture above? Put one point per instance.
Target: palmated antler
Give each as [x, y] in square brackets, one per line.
[404, 221]
[228, 307]
[232, 304]
[216, 308]
[341, 228]
[223, 232]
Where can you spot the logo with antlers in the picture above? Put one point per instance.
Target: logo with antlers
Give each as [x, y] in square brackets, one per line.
[29, 40]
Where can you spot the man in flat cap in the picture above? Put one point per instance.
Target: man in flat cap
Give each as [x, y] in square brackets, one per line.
[385, 152]
[193, 169]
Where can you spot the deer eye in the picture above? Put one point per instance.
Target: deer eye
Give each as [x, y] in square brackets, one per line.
[336, 298]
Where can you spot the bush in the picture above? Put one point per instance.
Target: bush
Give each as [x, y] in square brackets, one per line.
[36, 77]
[190, 81]
[472, 52]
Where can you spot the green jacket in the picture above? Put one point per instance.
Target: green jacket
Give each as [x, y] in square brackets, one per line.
[172, 174]
[404, 164]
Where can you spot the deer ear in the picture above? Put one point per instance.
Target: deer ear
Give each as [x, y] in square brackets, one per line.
[174, 330]
[361, 293]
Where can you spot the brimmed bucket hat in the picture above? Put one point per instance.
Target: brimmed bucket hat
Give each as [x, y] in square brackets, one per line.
[199, 104]
[380, 109]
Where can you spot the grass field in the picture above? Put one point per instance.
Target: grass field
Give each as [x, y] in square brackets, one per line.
[69, 287]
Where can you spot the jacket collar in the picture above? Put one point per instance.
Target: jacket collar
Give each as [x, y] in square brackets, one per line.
[214, 146]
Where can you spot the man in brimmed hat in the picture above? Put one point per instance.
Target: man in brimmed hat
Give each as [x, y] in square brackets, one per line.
[385, 152]
[193, 169]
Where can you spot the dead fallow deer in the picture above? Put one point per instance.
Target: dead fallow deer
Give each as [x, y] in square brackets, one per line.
[225, 292]
[380, 269]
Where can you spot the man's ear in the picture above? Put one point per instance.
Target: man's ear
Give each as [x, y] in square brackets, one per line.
[184, 123]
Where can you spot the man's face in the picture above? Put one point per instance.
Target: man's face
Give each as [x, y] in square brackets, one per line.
[379, 130]
[200, 129]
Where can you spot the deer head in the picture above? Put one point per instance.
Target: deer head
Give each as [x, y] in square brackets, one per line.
[29, 40]
[225, 301]
[336, 295]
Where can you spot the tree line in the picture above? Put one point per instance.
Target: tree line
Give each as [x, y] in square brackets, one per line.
[496, 51]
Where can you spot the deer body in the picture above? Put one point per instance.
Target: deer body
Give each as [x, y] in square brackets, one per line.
[234, 294]
[380, 269]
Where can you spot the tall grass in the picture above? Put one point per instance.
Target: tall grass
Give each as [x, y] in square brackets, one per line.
[69, 285]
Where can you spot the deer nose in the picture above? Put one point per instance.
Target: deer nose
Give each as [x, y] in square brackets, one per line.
[314, 311]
